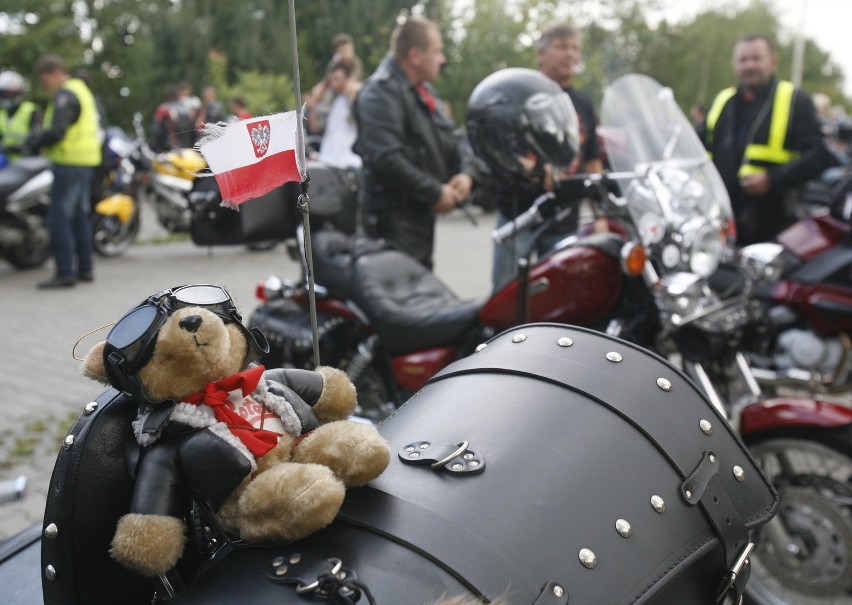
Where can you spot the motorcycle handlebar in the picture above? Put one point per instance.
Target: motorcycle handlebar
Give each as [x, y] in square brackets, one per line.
[567, 191]
[522, 221]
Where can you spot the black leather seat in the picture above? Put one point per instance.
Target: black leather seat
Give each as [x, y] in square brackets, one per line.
[409, 308]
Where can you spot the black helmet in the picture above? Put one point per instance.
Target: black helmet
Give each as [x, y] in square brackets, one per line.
[519, 112]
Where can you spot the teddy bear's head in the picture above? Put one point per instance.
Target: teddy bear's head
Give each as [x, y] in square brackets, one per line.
[169, 349]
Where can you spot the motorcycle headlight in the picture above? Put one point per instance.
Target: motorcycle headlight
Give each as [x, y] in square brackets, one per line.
[762, 263]
[705, 245]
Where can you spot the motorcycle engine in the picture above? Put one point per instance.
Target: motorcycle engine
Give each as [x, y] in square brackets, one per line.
[805, 350]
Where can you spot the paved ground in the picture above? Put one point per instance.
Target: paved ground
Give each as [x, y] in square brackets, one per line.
[41, 388]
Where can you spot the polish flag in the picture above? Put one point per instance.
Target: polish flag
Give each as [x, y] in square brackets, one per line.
[252, 157]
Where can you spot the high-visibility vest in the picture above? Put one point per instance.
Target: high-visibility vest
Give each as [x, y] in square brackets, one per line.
[80, 146]
[15, 129]
[760, 154]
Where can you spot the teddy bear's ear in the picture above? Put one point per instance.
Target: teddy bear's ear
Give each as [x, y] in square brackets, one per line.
[93, 365]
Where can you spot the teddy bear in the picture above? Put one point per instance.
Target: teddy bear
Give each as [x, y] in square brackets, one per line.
[269, 452]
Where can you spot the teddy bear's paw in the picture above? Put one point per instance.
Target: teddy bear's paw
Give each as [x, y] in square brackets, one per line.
[150, 544]
[353, 450]
[338, 397]
[289, 502]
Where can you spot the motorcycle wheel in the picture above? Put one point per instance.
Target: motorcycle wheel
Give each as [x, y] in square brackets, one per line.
[27, 255]
[806, 557]
[111, 237]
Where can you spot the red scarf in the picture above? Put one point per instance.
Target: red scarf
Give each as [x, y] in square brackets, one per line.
[215, 395]
[427, 97]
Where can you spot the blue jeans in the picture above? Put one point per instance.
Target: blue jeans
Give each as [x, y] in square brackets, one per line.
[69, 220]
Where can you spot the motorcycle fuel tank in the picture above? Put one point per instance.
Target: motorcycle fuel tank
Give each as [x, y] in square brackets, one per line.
[577, 285]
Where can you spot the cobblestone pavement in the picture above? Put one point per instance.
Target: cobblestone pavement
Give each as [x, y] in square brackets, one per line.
[41, 388]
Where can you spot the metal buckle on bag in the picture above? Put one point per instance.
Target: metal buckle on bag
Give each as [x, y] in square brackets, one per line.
[737, 576]
[453, 458]
[318, 576]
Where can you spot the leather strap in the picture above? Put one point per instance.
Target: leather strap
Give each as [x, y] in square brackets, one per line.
[628, 388]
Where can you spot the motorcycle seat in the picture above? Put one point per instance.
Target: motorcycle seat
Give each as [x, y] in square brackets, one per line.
[409, 308]
[16, 174]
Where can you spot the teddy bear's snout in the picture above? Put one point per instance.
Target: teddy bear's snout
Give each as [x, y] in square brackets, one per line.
[190, 323]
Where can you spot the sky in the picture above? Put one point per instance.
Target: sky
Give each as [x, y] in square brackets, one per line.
[827, 22]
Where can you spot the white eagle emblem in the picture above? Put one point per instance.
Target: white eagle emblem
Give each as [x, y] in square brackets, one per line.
[260, 134]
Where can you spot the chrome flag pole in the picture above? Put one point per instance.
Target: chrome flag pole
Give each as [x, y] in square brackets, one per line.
[304, 199]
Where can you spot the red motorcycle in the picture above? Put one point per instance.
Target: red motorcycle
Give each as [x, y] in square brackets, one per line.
[806, 342]
[391, 324]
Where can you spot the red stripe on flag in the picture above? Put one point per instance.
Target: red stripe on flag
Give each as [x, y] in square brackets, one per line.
[248, 182]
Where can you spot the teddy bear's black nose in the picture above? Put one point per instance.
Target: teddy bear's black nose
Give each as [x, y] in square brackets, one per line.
[190, 323]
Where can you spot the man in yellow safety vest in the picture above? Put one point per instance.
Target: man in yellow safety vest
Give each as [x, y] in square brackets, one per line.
[765, 140]
[71, 142]
[18, 116]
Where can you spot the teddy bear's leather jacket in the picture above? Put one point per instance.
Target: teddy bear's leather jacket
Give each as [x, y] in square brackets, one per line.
[193, 458]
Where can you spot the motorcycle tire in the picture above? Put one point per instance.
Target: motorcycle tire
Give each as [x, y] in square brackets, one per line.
[810, 561]
[110, 239]
[28, 255]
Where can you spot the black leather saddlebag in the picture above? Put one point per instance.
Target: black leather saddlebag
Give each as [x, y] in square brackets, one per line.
[554, 466]
[273, 216]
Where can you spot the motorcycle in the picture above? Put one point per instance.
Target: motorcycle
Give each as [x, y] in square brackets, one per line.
[390, 325]
[24, 196]
[804, 445]
[116, 213]
[165, 180]
[805, 342]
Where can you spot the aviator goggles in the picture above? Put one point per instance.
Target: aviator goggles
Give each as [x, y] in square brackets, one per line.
[131, 340]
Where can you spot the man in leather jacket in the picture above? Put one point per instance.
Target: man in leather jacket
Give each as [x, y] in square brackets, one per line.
[412, 159]
[766, 141]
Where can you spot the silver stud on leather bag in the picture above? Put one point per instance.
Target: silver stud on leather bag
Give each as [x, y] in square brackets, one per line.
[90, 408]
[50, 573]
[614, 357]
[588, 558]
[739, 473]
[665, 384]
[705, 426]
[564, 342]
[51, 531]
[623, 528]
[658, 504]
[481, 347]
[518, 338]
[558, 591]
[69, 441]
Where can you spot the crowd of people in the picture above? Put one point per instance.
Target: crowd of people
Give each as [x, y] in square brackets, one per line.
[764, 135]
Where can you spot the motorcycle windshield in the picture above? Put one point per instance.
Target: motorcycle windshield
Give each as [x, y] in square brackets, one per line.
[672, 179]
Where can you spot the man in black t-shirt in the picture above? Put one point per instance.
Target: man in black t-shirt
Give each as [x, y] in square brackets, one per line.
[559, 54]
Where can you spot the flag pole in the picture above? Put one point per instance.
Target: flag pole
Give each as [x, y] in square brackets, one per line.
[304, 199]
